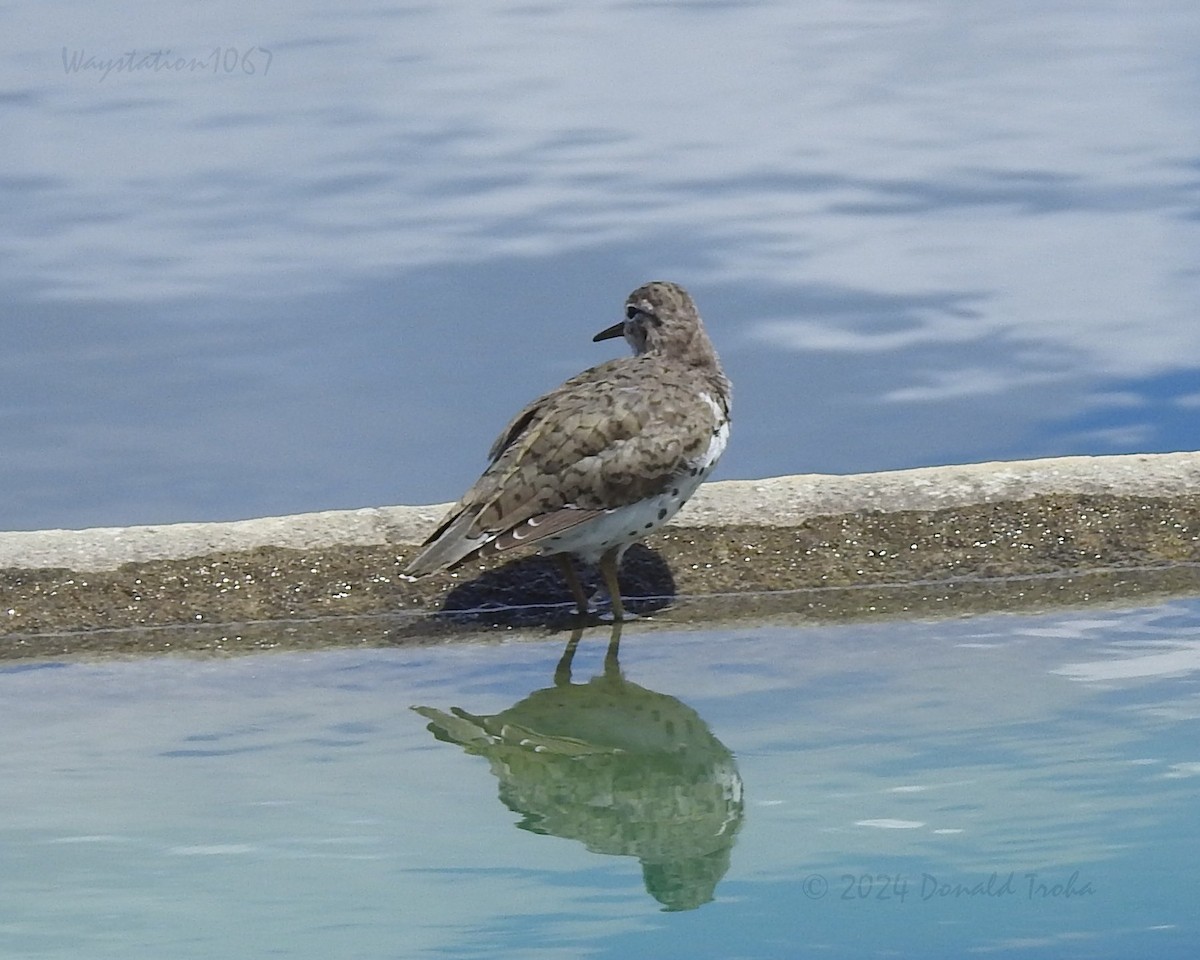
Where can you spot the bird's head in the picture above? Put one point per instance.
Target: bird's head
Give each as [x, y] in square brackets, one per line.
[660, 317]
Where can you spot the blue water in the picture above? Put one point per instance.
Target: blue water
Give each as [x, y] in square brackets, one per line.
[920, 233]
[1018, 786]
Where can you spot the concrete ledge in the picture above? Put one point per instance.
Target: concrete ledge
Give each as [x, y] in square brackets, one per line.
[777, 501]
[942, 525]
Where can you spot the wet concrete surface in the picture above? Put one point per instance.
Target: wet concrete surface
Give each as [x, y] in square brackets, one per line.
[877, 602]
[1027, 554]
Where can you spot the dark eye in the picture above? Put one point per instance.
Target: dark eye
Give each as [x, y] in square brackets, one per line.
[633, 313]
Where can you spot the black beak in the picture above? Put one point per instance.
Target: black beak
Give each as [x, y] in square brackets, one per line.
[616, 330]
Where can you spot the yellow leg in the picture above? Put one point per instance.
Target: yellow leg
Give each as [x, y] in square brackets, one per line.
[608, 570]
[572, 578]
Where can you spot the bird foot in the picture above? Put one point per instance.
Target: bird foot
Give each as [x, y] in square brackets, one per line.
[601, 605]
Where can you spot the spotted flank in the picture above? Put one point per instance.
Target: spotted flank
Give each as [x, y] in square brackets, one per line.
[618, 527]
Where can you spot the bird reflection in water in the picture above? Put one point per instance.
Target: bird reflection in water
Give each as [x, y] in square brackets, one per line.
[622, 769]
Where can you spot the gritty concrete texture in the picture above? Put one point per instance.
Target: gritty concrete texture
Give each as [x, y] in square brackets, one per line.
[877, 602]
[1134, 521]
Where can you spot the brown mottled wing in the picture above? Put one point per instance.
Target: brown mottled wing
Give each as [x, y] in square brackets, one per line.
[610, 436]
[535, 409]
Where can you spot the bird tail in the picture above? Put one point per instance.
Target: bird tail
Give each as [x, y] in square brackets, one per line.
[451, 543]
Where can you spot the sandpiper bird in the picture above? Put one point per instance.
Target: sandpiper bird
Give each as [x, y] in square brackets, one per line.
[605, 459]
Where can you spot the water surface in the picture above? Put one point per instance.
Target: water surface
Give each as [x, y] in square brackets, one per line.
[1013, 785]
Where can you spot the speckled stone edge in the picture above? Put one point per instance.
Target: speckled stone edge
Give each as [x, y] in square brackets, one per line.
[940, 525]
[777, 501]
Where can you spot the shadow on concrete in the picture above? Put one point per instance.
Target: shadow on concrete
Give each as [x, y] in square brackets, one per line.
[531, 592]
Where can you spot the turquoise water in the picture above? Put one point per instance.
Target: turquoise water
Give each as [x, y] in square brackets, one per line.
[1014, 785]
